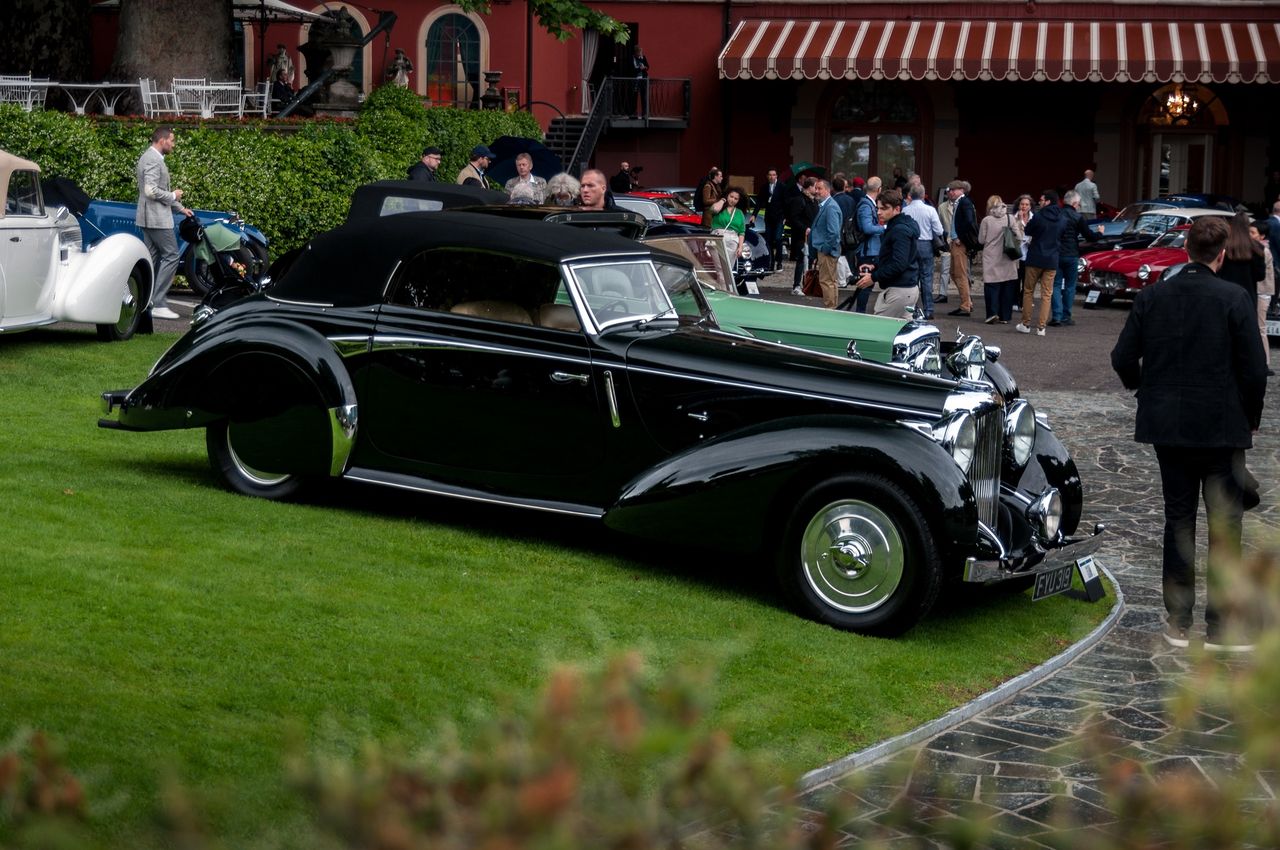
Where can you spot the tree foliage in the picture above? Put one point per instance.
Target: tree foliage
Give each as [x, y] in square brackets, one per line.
[560, 17]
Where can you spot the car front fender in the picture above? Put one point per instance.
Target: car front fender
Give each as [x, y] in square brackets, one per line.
[736, 491]
[93, 284]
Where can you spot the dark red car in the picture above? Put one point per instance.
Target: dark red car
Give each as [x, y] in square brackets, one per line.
[1120, 274]
[673, 209]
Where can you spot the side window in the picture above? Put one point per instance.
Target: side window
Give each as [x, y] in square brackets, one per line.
[24, 194]
[485, 285]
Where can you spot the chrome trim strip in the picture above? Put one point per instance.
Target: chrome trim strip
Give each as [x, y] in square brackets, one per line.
[342, 425]
[367, 477]
[612, 396]
[385, 342]
[298, 303]
[906, 411]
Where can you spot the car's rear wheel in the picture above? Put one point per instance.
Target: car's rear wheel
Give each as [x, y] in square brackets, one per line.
[131, 309]
[220, 440]
[856, 554]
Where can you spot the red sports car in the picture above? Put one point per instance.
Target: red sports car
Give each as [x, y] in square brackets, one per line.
[672, 208]
[1120, 274]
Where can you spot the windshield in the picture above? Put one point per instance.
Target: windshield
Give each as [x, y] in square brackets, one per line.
[621, 291]
[682, 287]
[673, 206]
[1172, 239]
[706, 252]
[1154, 223]
[1132, 211]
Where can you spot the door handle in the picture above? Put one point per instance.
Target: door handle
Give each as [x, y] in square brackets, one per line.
[15, 238]
[568, 378]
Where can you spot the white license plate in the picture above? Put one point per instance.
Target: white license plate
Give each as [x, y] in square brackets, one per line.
[1053, 582]
[1092, 297]
[1273, 327]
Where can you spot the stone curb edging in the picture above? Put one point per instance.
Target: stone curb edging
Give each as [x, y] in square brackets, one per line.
[956, 716]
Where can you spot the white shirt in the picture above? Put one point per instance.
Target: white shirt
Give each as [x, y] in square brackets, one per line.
[925, 217]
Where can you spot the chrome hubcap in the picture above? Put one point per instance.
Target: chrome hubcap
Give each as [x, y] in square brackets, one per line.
[257, 476]
[853, 556]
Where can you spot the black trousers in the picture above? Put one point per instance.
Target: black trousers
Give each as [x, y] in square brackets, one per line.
[1186, 473]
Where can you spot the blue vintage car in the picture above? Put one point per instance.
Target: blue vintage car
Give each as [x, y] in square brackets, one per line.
[102, 218]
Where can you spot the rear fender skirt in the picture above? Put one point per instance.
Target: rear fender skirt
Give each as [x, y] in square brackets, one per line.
[730, 492]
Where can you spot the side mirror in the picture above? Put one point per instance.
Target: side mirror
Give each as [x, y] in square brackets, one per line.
[60, 213]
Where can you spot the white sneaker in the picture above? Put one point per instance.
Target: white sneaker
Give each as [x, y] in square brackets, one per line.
[163, 313]
[795, 290]
[1039, 331]
[1021, 328]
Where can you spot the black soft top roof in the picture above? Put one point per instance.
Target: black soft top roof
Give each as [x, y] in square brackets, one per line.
[367, 201]
[350, 265]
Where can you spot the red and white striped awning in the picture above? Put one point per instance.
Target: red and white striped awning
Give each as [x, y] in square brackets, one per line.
[1207, 52]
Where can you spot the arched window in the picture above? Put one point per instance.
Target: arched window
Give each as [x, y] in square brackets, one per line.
[1180, 122]
[874, 127]
[452, 75]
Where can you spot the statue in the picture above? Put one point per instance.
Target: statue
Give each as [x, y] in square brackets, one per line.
[400, 69]
[280, 61]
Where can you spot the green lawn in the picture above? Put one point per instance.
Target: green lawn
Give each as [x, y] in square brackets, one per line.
[158, 626]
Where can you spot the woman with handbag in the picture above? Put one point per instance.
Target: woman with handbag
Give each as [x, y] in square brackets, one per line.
[729, 220]
[1001, 248]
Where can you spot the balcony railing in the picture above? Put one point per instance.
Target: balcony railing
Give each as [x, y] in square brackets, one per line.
[654, 98]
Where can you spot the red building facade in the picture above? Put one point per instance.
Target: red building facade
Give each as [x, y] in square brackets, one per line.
[1012, 96]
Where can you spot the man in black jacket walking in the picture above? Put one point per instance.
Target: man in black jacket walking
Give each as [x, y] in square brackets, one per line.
[1064, 283]
[1192, 350]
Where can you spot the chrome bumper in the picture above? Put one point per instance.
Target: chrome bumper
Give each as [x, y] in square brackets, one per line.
[1035, 559]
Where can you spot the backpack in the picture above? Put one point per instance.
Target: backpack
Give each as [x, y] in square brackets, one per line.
[851, 235]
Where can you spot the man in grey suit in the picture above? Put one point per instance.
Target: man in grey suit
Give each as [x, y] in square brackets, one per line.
[156, 203]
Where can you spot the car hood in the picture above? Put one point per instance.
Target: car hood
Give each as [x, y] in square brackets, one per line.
[712, 362]
[808, 327]
[1129, 261]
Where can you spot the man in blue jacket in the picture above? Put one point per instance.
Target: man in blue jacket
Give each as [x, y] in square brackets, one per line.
[1045, 230]
[824, 241]
[870, 227]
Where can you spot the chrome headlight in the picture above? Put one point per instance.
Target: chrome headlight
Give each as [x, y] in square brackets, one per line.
[70, 241]
[969, 359]
[1144, 271]
[959, 436]
[916, 348]
[1019, 433]
[1082, 265]
[1045, 513]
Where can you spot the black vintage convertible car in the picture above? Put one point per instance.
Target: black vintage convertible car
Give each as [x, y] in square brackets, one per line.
[541, 366]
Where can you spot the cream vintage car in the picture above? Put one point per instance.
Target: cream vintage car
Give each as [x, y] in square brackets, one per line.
[48, 274]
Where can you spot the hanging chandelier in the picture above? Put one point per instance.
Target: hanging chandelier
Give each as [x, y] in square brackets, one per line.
[1180, 106]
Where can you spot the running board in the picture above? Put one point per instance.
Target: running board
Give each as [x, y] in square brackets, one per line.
[435, 488]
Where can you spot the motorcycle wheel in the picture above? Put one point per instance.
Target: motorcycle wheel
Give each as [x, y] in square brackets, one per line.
[199, 276]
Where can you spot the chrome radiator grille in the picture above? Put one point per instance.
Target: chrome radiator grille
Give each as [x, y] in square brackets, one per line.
[985, 472]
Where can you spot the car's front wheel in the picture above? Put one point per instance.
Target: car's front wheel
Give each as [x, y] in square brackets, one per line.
[220, 440]
[856, 554]
[131, 309]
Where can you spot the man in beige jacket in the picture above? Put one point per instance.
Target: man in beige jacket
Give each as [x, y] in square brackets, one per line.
[156, 205]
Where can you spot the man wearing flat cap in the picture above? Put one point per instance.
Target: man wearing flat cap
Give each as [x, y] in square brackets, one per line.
[481, 156]
[425, 169]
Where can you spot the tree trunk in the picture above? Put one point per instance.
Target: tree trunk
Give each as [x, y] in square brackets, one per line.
[163, 39]
[48, 38]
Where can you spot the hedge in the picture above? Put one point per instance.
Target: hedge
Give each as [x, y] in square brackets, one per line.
[291, 178]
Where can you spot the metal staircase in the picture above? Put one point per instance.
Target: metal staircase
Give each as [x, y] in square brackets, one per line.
[575, 139]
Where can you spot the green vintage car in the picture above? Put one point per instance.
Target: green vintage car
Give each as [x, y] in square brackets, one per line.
[905, 342]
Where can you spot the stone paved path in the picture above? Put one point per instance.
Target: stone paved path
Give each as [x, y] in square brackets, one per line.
[1017, 761]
